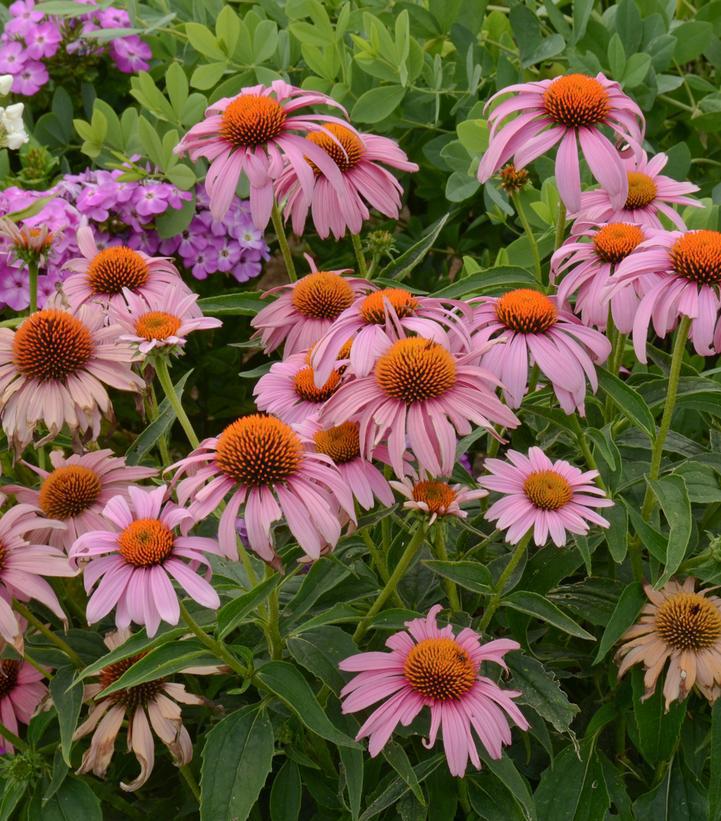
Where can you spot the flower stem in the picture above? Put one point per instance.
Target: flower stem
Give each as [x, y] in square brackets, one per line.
[161, 369]
[442, 553]
[61, 644]
[521, 211]
[217, 647]
[187, 774]
[275, 641]
[585, 449]
[495, 601]
[153, 413]
[404, 563]
[36, 664]
[283, 243]
[359, 255]
[679, 348]
[13, 739]
[33, 282]
[560, 225]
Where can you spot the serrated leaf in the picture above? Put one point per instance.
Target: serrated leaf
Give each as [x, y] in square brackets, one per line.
[232, 614]
[533, 604]
[673, 497]
[541, 691]
[628, 400]
[237, 303]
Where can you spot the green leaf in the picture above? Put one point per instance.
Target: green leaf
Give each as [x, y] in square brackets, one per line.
[73, 800]
[637, 68]
[396, 756]
[68, 701]
[491, 281]
[237, 757]
[471, 575]
[137, 643]
[673, 497]
[628, 400]
[398, 788]
[175, 220]
[207, 76]
[400, 268]
[12, 793]
[624, 615]
[679, 795]
[714, 784]
[506, 772]
[203, 40]
[692, 39]
[320, 650]
[236, 303]
[617, 534]
[658, 730]
[541, 691]
[581, 15]
[377, 104]
[232, 614]
[286, 794]
[536, 605]
[288, 683]
[616, 56]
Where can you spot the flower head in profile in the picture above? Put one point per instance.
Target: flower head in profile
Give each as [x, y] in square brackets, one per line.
[565, 111]
[306, 309]
[30, 243]
[103, 276]
[535, 332]
[681, 626]
[24, 562]
[436, 497]
[420, 394]
[267, 467]
[21, 691]
[679, 274]
[650, 195]
[55, 369]
[430, 666]
[586, 261]
[136, 557]
[360, 158]
[549, 498]
[76, 490]
[150, 707]
[161, 322]
[374, 321]
[257, 133]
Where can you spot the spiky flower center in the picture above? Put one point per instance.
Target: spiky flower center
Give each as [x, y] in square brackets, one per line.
[576, 100]
[688, 621]
[547, 490]
[68, 491]
[616, 240]
[697, 256]
[132, 697]
[116, 268]
[346, 152]
[513, 179]
[373, 307]
[415, 369]
[440, 669]
[259, 450]
[439, 496]
[252, 119]
[51, 345]
[526, 311]
[157, 325]
[146, 542]
[322, 295]
[341, 443]
[305, 388]
[9, 669]
[641, 190]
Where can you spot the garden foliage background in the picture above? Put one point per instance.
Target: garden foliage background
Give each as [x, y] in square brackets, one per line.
[275, 744]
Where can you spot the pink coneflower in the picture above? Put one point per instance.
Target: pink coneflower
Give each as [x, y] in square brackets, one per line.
[289, 391]
[565, 110]
[682, 627]
[23, 563]
[436, 497]
[55, 368]
[341, 444]
[650, 193]
[373, 321]
[265, 466]
[30, 243]
[360, 159]
[678, 274]
[420, 393]
[21, 691]
[151, 706]
[431, 667]
[102, 275]
[586, 261]
[306, 309]
[534, 330]
[254, 133]
[136, 559]
[550, 497]
[161, 322]
[76, 490]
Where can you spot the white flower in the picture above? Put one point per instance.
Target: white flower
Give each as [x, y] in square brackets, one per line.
[12, 128]
[6, 82]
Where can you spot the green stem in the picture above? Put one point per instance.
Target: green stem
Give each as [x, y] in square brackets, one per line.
[679, 348]
[378, 559]
[404, 563]
[560, 224]
[187, 774]
[13, 739]
[521, 211]
[33, 269]
[359, 255]
[442, 553]
[217, 647]
[588, 456]
[36, 664]
[153, 413]
[275, 641]
[495, 601]
[283, 243]
[31, 618]
[161, 369]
